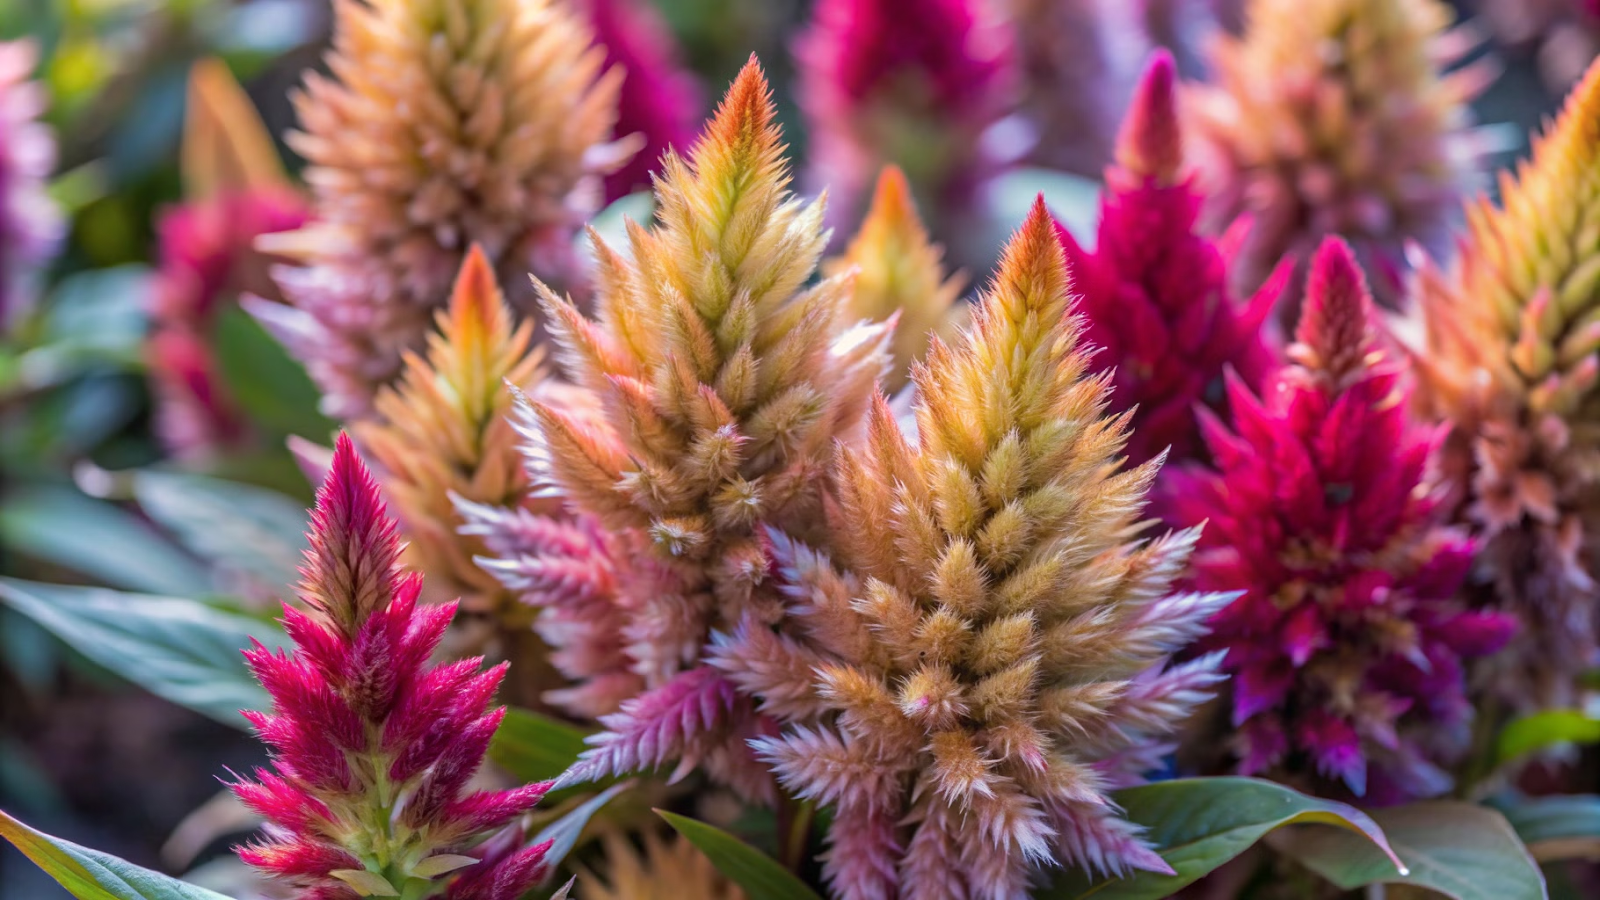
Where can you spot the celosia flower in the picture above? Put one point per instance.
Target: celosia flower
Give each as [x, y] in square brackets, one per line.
[1510, 360]
[30, 224]
[445, 124]
[1346, 648]
[1155, 293]
[1332, 117]
[898, 271]
[443, 433]
[992, 660]
[659, 99]
[911, 83]
[372, 745]
[665, 869]
[719, 387]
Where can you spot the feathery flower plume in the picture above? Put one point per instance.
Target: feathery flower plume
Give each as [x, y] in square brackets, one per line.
[1332, 117]
[911, 83]
[372, 745]
[992, 659]
[899, 271]
[1510, 360]
[665, 869]
[1346, 647]
[659, 99]
[1155, 294]
[235, 191]
[719, 386]
[445, 124]
[30, 224]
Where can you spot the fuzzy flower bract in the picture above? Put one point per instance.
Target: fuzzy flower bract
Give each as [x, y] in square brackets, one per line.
[1155, 293]
[373, 745]
[990, 659]
[445, 123]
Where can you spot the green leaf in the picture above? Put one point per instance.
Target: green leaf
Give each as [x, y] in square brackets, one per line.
[92, 875]
[1555, 828]
[1541, 731]
[238, 526]
[182, 650]
[61, 525]
[535, 747]
[1456, 849]
[268, 384]
[760, 875]
[1197, 824]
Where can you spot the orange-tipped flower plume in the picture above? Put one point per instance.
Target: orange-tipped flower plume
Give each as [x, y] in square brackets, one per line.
[720, 384]
[991, 660]
[1510, 359]
[1331, 117]
[898, 271]
[443, 432]
[446, 123]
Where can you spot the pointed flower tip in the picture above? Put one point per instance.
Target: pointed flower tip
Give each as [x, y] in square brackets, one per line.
[1150, 143]
[1336, 324]
[892, 200]
[745, 116]
[475, 302]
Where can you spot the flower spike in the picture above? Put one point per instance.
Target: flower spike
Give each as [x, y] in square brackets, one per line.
[713, 388]
[898, 271]
[1334, 117]
[1155, 290]
[443, 125]
[990, 659]
[1509, 359]
[372, 745]
[1347, 645]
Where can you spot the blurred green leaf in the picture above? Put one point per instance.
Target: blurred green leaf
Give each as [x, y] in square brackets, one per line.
[92, 875]
[61, 525]
[1556, 827]
[182, 650]
[268, 384]
[760, 875]
[1456, 849]
[1542, 731]
[535, 747]
[237, 526]
[1197, 824]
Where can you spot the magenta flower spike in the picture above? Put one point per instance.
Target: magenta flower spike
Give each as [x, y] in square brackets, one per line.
[373, 745]
[914, 83]
[659, 99]
[1154, 291]
[1346, 648]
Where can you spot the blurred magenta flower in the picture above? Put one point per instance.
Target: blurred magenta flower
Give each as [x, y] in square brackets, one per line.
[915, 83]
[659, 100]
[30, 223]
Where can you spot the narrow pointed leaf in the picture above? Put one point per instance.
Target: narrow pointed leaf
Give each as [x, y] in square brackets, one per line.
[92, 875]
[1197, 824]
[563, 833]
[182, 650]
[60, 525]
[239, 526]
[761, 876]
[1460, 850]
[1542, 731]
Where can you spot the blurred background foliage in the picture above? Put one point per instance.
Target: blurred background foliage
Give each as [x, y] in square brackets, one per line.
[86, 495]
